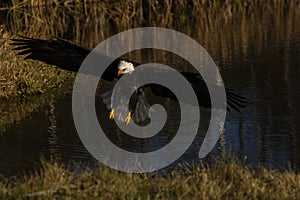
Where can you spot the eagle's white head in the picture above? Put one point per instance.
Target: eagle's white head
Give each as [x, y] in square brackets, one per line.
[125, 67]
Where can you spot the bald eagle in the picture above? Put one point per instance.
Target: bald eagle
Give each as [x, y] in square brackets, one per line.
[69, 56]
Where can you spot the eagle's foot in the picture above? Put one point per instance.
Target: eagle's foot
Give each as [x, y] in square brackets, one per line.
[128, 118]
[111, 114]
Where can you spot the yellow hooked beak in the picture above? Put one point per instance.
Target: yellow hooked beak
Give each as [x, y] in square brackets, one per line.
[120, 72]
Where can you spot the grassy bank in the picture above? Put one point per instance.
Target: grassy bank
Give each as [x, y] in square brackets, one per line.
[25, 78]
[26, 85]
[224, 180]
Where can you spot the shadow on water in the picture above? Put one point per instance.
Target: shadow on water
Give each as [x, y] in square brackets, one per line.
[257, 49]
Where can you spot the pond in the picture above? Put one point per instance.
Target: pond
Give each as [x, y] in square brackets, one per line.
[257, 51]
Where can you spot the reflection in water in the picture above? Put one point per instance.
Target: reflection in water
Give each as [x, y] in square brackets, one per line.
[259, 56]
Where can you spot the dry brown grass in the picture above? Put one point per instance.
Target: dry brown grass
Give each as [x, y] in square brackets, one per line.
[224, 180]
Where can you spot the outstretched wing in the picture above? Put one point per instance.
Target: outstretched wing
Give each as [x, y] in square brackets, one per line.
[234, 101]
[68, 56]
[60, 53]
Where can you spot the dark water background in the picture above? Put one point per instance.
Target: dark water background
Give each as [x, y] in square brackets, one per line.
[258, 52]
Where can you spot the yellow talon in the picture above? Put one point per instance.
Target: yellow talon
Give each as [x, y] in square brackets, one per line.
[111, 114]
[128, 118]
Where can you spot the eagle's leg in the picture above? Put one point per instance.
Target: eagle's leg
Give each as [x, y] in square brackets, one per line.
[132, 105]
[128, 118]
[111, 114]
